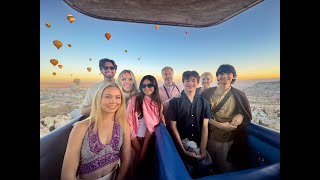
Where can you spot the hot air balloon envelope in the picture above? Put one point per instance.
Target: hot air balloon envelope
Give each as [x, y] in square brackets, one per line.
[71, 18]
[108, 36]
[57, 43]
[60, 66]
[76, 81]
[54, 62]
[89, 69]
[54, 73]
[157, 27]
[69, 45]
[48, 25]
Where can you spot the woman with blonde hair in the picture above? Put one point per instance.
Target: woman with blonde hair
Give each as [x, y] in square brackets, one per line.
[128, 84]
[100, 143]
[206, 80]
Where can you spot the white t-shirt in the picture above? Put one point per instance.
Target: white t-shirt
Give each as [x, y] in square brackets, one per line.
[142, 128]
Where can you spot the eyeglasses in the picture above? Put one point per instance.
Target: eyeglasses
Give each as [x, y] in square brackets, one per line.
[149, 85]
[108, 67]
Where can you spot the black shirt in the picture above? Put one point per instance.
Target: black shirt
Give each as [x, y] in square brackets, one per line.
[189, 116]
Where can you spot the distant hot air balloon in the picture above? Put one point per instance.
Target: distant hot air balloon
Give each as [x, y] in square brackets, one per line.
[57, 43]
[69, 45]
[139, 59]
[48, 25]
[90, 59]
[71, 18]
[54, 62]
[89, 69]
[157, 27]
[99, 73]
[76, 81]
[126, 51]
[107, 35]
[54, 73]
[60, 66]
[187, 32]
[70, 74]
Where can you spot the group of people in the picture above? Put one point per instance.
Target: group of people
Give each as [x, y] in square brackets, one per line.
[116, 140]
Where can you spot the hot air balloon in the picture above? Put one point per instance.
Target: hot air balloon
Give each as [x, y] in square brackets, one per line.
[126, 51]
[69, 45]
[186, 32]
[157, 27]
[76, 81]
[54, 62]
[89, 69]
[108, 36]
[60, 66]
[90, 59]
[138, 59]
[48, 25]
[54, 73]
[71, 18]
[57, 43]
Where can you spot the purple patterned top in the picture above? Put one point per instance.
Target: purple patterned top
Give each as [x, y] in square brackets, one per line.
[95, 155]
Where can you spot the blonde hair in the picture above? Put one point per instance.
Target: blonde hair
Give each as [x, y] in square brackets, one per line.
[207, 74]
[134, 89]
[96, 113]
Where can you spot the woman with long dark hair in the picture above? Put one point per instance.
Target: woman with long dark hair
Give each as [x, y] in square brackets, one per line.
[144, 112]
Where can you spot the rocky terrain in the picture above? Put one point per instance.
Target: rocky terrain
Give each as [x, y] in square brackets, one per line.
[57, 103]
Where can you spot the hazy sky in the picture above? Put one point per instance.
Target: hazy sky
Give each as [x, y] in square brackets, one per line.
[249, 41]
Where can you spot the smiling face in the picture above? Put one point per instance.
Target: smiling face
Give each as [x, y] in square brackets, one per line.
[206, 81]
[147, 87]
[126, 82]
[167, 76]
[225, 78]
[108, 73]
[110, 100]
[190, 84]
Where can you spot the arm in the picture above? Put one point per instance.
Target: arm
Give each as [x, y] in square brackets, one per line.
[85, 110]
[136, 146]
[145, 145]
[237, 119]
[162, 116]
[72, 156]
[125, 153]
[204, 139]
[226, 126]
[86, 104]
[176, 134]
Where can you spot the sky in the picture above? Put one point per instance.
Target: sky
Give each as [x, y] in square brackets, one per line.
[249, 41]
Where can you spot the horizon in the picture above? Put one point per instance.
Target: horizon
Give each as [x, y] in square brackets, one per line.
[238, 83]
[249, 41]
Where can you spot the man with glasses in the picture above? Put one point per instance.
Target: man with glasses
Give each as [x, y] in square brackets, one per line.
[189, 115]
[108, 69]
[230, 112]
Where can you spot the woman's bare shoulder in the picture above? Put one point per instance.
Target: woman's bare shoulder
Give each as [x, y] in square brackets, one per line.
[81, 126]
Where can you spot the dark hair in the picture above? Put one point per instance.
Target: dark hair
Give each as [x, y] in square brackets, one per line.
[227, 68]
[188, 74]
[103, 61]
[154, 96]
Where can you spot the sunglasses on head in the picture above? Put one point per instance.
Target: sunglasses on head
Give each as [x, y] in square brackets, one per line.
[108, 67]
[145, 85]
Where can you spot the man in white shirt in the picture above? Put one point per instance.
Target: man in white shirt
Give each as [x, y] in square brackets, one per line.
[108, 69]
